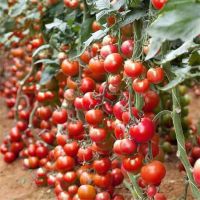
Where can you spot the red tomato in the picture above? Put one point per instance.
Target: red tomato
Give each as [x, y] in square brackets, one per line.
[196, 172]
[159, 196]
[65, 163]
[155, 75]
[127, 147]
[103, 181]
[98, 135]
[133, 164]
[71, 149]
[9, 157]
[96, 65]
[140, 85]
[117, 176]
[127, 48]
[70, 68]
[87, 85]
[108, 49]
[133, 69]
[102, 165]
[96, 26]
[103, 196]
[59, 116]
[75, 128]
[84, 154]
[113, 63]
[143, 131]
[158, 4]
[153, 173]
[94, 117]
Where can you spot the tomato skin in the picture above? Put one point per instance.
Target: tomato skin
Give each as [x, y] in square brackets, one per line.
[59, 116]
[98, 135]
[75, 128]
[143, 131]
[84, 154]
[140, 85]
[9, 157]
[133, 164]
[65, 163]
[102, 165]
[71, 149]
[118, 109]
[108, 49]
[159, 196]
[87, 85]
[158, 4]
[127, 48]
[103, 181]
[70, 68]
[151, 101]
[153, 173]
[133, 69]
[127, 147]
[113, 63]
[96, 26]
[196, 172]
[94, 117]
[117, 176]
[96, 65]
[155, 75]
[86, 192]
[89, 102]
[103, 196]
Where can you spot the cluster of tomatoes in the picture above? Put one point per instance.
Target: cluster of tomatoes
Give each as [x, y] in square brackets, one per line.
[83, 130]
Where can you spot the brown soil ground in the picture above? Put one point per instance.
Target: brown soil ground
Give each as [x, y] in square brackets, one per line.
[16, 183]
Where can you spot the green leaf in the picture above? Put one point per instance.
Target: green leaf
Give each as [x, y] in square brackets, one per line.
[49, 72]
[57, 23]
[184, 48]
[132, 16]
[46, 46]
[180, 22]
[86, 29]
[172, 84]
[154, 48]
[47, 61]
[194, 58]
[18, 8]
[117, 5]
[4, 4]
[102, 4]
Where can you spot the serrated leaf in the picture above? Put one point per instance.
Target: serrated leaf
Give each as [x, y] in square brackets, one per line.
[47, 61]
[102, 13]
[194, 58]
[181, 50]
[46, 46]
[102, 4]
[154, 48]
[86, 29]
[172, 84]
[131, 17]
[48, 73]
[117, 5]
[57, 23]
[180, 22]
[18, 8]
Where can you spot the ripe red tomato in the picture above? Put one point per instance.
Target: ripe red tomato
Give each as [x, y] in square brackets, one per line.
[44, 113]
[73, 4]
[85, 57]
[101, 166]
[41, 152]
[98, 135]
[159, 196]
[70, 68]
[196, 171]
[9, 157]
[155, 75]
[89, 101]
[75, 128]
[158, 4]
[15, 135]
[96, 65]
[108, 49]
[143, 131]
[59, 116]
[96, 26]
[87, 85]
[140, 85]
[127, 147]
[65, 163]
[94, 117]
[117, 176]
[133, 164]
[84, 154]
[70, 177]
[151, 100]
[103, 181]
[153, 173]
[71, 149]
[113, 63]
[127, 48]
[133, 69]
[103, 196]
[86, 192]
[118, 109]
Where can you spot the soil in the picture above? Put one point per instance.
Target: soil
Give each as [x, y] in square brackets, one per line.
[16, 183]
